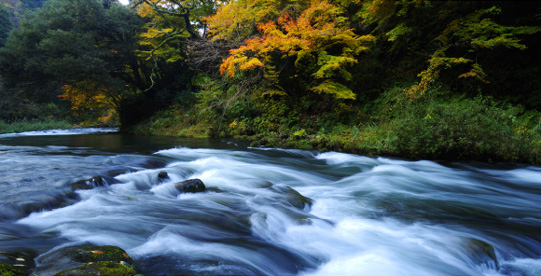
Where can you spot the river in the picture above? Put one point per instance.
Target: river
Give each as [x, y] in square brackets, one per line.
[267, 211]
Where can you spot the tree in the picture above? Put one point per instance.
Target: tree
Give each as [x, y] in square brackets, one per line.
[317, 42]
[5, 25]
[171, 10]
[75, 44]
[169, 27]
[461, 44]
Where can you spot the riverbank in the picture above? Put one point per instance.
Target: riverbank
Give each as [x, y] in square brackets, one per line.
[437, 127]
[33, 125]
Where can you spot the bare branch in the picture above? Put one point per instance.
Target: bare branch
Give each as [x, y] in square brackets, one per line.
[207, 55]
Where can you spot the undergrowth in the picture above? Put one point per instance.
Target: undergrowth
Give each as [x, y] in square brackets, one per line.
[440, 125]
[32, 125]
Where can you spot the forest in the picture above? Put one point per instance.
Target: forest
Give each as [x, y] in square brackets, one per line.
[418, 79]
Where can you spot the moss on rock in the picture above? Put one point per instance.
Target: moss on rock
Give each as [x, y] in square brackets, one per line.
[103, 268]
[68, 258]
[9, 270]
[101, 253]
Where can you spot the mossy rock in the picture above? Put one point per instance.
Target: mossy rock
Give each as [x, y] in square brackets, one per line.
[9, 270]
[103, 268]
[101, 253]
[67, 258]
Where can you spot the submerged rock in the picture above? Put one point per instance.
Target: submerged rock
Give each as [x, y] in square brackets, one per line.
[292, 197]
[191, 186]
[67, 258]
[47, 201]
[81, 185]
[96, 181]
[483, 253]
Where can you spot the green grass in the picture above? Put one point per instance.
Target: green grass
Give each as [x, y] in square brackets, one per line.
[33, 125]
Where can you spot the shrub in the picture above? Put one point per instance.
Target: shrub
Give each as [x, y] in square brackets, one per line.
[465, 129]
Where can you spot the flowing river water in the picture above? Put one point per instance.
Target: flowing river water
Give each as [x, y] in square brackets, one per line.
[266, 211]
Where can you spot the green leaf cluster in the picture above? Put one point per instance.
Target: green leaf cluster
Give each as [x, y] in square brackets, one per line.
[5, 25]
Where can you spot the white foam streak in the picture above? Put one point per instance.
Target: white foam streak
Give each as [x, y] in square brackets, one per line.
[333, 158]
[73, 131]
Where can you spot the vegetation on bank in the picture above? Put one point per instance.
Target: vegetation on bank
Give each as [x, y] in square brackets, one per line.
[33, 125]
[437, 127]
[455, 80]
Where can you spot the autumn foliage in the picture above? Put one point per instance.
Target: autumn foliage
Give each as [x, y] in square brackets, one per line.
[319, 37]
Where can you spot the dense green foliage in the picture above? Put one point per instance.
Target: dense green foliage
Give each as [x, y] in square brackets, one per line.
[74, 45]
[419, 79]
[81, 50]
[5, 25]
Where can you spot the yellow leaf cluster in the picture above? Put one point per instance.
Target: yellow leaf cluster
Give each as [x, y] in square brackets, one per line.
[337, 90]
[238, 19]
[86, 96]
[160, 34]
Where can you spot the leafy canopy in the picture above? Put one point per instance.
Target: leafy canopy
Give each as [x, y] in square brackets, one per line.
[5, 25]
[319, 33]
[72, 43]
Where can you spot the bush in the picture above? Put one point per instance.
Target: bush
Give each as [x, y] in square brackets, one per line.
[466, 129]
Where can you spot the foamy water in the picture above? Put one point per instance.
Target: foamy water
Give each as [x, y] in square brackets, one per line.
[369, 216]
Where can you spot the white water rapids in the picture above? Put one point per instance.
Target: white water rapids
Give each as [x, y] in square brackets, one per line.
[369, 216]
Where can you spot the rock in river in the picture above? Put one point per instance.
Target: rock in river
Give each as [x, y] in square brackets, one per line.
[163, 175]
[82, 260]
[103, 268]
[96, 181]
[191, 186]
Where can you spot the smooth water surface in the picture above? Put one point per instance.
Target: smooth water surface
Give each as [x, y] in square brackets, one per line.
[267, 211]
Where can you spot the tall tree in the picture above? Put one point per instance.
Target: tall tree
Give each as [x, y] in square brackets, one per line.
[5, 25]
[85, 47]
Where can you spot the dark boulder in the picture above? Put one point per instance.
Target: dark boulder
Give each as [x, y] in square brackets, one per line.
[163, 175]
[191, 186]
[81, 185]
[67, 258]
[99, 181]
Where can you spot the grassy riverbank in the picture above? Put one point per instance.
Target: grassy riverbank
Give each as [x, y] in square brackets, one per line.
[438, 127]
[32, 125]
